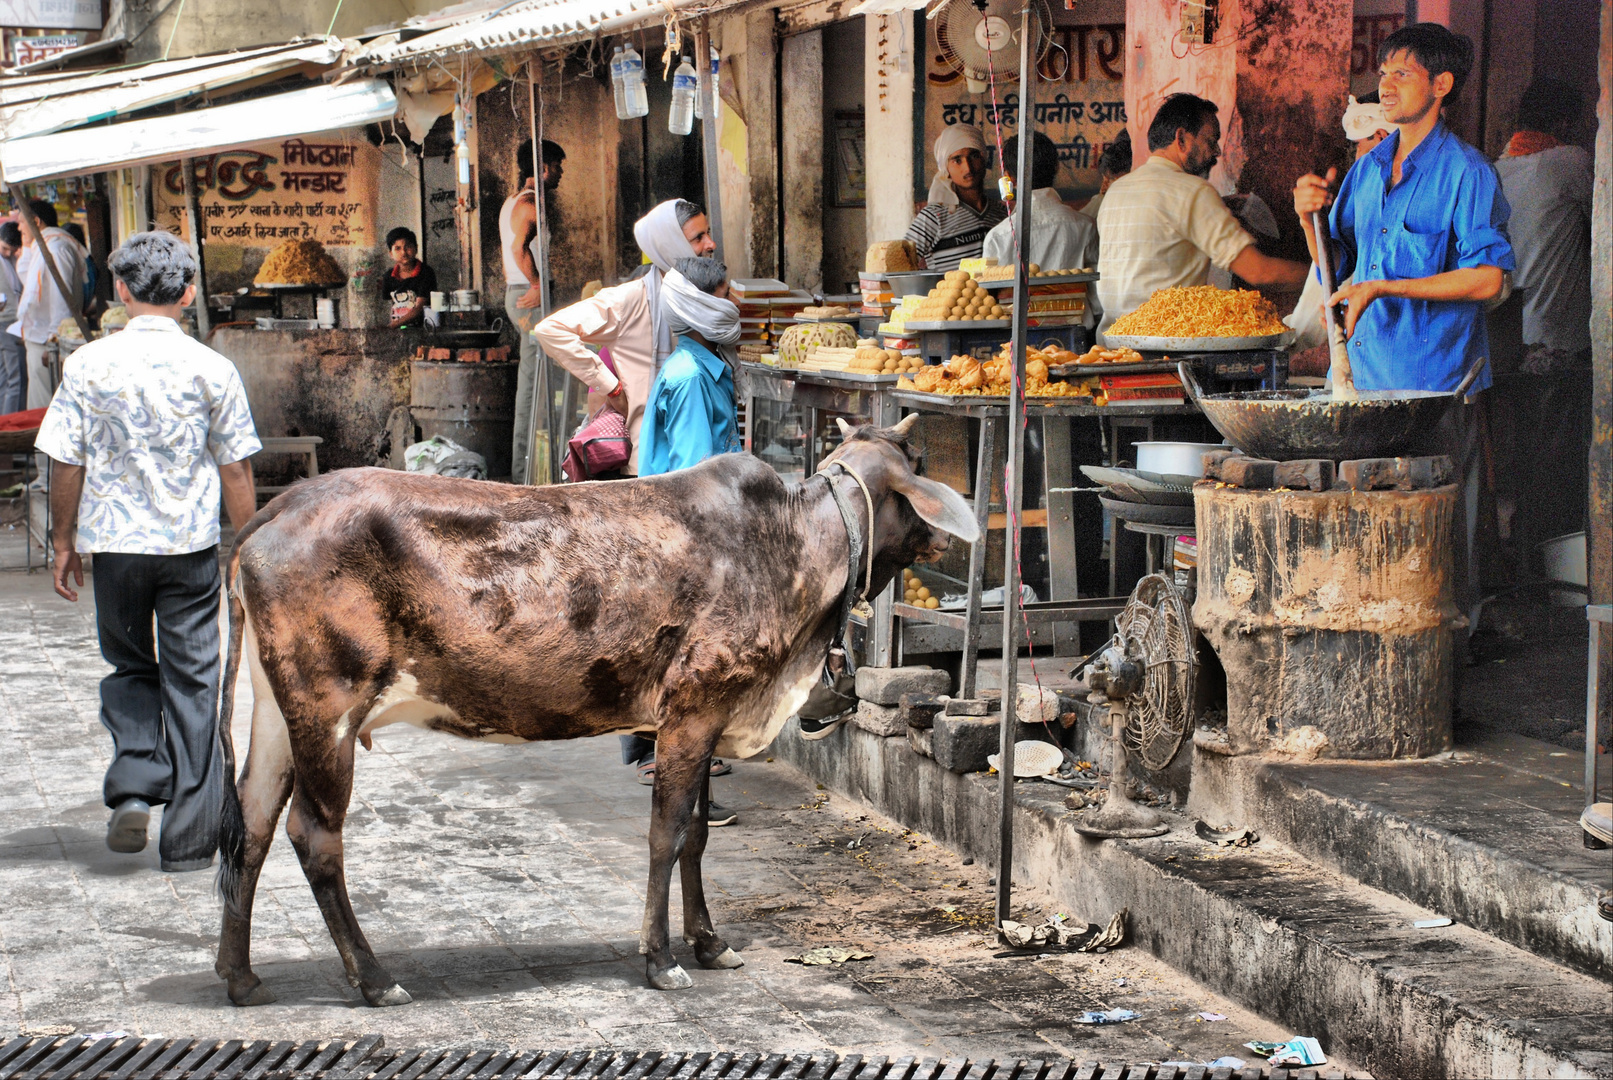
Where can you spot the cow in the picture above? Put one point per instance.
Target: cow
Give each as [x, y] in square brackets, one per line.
[699, 605]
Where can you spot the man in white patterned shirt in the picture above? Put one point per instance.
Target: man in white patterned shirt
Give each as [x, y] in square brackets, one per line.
[147, 432]
[1162, 225]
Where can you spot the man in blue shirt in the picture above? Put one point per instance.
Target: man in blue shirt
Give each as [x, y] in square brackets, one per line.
[1421, 224]
[691, 413]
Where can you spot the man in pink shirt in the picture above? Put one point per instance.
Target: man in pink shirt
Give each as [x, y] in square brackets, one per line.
[627, 319]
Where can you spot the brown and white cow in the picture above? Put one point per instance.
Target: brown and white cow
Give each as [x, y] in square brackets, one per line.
[698, 604]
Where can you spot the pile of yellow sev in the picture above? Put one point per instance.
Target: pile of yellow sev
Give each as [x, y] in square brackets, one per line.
[1201, 311]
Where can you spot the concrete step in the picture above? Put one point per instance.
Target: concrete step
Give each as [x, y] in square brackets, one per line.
[1489, 836]
[1267, 926]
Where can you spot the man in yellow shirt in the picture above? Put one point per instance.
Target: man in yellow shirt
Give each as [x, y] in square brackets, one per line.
[1162, 225]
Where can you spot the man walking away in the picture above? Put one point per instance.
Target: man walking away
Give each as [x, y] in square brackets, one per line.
[148, 431]
[523, 294]
[13, 356]
[43, 308]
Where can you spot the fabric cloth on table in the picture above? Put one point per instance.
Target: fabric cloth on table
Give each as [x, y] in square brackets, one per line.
[691, 414]
[618, 318]
[1161, 228]
[1549, 192]
[160, 703]
[1447, 213]
[150, 413]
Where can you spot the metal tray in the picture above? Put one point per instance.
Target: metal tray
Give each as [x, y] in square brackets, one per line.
[845, 376]
[280, 287]
[1082, 371]
[1149, 513]
[1054, 279]
[1131, 486]
[836, 319]
[977, 324]
[287, 324]
[1200, 344]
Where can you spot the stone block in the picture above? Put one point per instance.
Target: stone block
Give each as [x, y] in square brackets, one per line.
[1312, 474]
[885, 686]
[1403, 474]
[919, 740]
[882, 720]
[919, 709]
[1248, 472]
[1213, 460]
[970, 707]
[961, 743]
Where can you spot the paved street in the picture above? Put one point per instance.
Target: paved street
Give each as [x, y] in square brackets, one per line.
[503, 887]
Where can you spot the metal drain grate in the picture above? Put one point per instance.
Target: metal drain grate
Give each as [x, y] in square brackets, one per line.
[132, 1058]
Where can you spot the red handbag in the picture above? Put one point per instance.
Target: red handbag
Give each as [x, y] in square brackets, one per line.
[602, 444]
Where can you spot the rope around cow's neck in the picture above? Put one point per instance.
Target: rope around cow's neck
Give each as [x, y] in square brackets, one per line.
[868, 580]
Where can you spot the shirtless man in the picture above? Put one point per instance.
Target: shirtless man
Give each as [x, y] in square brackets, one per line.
[523, 297]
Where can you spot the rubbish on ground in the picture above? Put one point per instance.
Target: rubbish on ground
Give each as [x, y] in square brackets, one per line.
[1210, 1017]
[1228, 1062]
[1057, 931]
[1113, 936]
[1080, 800]
[1120, 982]
[438, 456]
[1230, 836]
[1299, 1050]
[828, 954]
[1113, 1016]
[1429, 924]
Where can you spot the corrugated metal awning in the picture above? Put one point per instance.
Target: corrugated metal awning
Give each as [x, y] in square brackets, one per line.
[526, 25]
[38, 105]
[200, 131]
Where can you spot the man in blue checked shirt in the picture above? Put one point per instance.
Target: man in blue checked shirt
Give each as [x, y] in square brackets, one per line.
[1421, 224]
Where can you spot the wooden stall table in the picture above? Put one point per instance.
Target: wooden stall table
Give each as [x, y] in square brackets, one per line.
[1065, 609]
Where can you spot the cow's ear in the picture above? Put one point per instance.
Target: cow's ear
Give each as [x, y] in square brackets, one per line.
[940, 506]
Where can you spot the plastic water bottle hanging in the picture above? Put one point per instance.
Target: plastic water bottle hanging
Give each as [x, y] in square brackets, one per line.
[616, 87]
[680, 119]
[700, 101]
[634, 94]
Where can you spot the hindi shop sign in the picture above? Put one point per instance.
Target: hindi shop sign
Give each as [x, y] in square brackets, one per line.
[264, 193]
[31, 50]
[1080, 100]
[51, 14]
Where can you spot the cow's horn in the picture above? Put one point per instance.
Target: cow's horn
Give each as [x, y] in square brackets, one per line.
[845, 428]
[905, 424]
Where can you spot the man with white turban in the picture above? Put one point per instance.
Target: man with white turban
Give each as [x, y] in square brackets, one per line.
[962, 209]
[625, 322]
[691, 413]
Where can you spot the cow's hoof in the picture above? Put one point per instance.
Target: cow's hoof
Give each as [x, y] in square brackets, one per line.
[254, 993]
[725, 960]
[392, 995]
[673, 978]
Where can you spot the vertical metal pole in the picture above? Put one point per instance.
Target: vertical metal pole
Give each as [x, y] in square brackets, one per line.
[542, 394]
[197, 224]
[1013, 482]
[708, 134]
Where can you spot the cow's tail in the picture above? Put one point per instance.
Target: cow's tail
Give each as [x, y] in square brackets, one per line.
[232, 823]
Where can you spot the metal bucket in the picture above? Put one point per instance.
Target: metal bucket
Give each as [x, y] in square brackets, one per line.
[472, 404]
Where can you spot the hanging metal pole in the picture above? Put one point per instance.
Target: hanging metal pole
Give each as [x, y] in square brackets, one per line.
[197, 224]
[708, 134]
[1013, 488]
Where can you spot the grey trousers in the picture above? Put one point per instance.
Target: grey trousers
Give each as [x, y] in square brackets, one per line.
[13, 372]
[526, 378]
[161, 701]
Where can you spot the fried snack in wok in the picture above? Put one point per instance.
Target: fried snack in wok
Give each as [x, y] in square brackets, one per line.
[1201, 311]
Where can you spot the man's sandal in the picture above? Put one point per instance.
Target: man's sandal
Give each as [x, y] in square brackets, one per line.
[646, 771]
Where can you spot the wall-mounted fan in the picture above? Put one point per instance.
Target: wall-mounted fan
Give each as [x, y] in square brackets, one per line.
[980, 38]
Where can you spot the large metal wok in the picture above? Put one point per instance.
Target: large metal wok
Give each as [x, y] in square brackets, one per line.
[1287, 425]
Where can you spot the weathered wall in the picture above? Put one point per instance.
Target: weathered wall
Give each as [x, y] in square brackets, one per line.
[803, 74]
[341, 385]
[888, 63]
[1158, 65]
[577, 108]
[1080, 103]
[845, 233]
[203, 26]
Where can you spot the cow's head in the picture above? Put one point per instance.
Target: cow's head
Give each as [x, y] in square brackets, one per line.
[914, 518]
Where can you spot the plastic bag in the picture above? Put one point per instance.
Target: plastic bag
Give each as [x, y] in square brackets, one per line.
[438, 456]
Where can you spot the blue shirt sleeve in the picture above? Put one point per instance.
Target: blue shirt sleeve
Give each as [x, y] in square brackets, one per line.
[1480, 221]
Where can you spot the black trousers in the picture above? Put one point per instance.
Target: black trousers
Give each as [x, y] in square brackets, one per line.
[157, 616]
